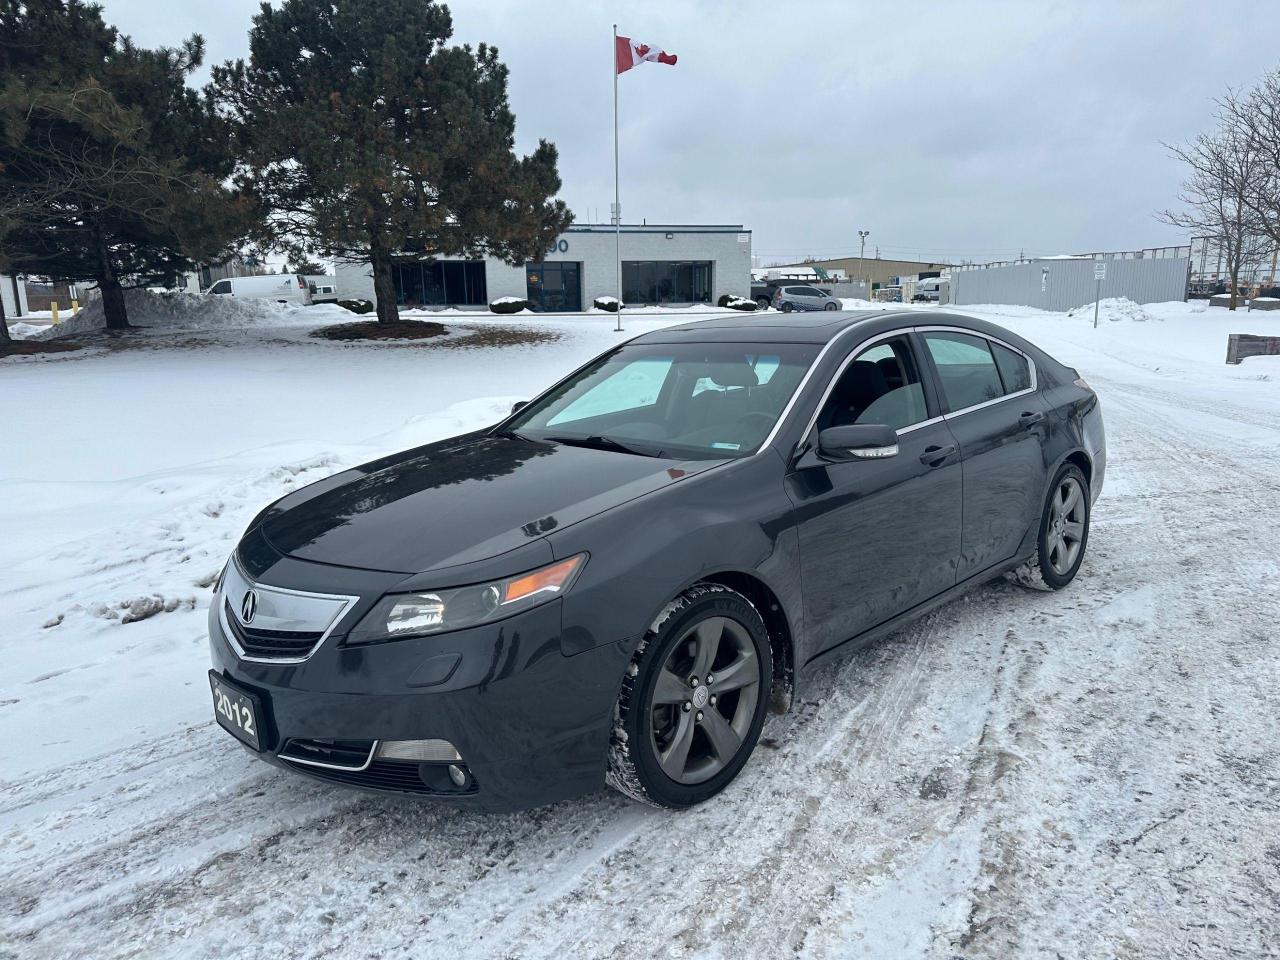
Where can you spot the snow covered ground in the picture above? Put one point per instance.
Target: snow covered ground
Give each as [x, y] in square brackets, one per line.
[1093, 773]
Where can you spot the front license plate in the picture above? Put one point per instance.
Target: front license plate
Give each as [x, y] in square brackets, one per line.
[237, 710]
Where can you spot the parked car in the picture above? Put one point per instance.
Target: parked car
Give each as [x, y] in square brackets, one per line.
[798, 297]
[615, 582]
[281, 287]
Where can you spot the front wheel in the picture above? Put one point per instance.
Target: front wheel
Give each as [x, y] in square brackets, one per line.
[832, 306]
[693, 700]
[763, 303]
[1064, 533]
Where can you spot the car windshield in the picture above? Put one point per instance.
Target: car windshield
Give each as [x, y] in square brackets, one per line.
[690, 401]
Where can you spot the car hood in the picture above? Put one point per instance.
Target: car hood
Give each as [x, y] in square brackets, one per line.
[459, 501]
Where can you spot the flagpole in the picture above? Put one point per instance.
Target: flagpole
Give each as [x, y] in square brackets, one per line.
[617, 205]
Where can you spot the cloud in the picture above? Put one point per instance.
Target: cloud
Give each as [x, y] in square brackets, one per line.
[946, 129]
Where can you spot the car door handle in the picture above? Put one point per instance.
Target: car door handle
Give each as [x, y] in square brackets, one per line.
[933, 456]
[1030, 418]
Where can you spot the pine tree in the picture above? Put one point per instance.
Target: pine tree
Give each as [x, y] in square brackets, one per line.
[367, 136]
[111, 168]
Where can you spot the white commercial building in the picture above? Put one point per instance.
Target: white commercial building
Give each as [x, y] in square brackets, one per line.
[661, 264]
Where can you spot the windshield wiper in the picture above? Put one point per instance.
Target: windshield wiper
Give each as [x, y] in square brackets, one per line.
[601, 442]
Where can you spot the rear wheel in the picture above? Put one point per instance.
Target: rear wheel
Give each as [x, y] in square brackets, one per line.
[763, 303]
[786, 307]
[693, 700]
[1064, 533]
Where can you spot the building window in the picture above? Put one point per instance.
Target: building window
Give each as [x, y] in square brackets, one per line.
[554, 286]
[438, 283]
[666, 281]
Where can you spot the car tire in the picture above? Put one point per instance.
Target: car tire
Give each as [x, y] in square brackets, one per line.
[763, 303]
[660, 752]
[1063, 534]
[832, 306]
[786, 307]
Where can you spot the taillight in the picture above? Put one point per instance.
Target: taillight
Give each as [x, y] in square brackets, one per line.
[302, 284]
[1080, 382]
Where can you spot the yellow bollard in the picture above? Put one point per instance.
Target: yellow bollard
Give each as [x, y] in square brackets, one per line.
[75, 308]
[54, 307]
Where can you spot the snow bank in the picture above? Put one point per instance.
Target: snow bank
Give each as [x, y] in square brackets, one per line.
[25, 331]
[199, 311]
[1114, 309]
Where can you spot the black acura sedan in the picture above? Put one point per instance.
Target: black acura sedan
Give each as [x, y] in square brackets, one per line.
[616, 582]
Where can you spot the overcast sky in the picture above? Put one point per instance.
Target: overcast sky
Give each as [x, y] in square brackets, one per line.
[947, 129]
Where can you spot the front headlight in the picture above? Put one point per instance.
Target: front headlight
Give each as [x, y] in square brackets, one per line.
[403, 615]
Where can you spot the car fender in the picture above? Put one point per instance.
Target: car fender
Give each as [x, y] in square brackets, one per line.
[648, 551]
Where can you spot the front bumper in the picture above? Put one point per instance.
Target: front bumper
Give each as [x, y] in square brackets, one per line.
[531, 724]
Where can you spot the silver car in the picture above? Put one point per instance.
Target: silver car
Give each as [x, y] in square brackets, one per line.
[798, 297]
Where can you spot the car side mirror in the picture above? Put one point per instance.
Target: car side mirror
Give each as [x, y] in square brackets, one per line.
[518, 405]
[858, 441]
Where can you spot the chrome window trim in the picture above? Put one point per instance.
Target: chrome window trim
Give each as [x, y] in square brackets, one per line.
[941, 328]
[220, 598]
[373, 750]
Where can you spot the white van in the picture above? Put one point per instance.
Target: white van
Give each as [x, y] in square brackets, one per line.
[281, 287]
[931, 290]
[324, 289]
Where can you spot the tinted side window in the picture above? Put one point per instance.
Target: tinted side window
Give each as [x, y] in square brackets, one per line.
[1015, 371]
[222, 286]
[965, 367]
[881, 385]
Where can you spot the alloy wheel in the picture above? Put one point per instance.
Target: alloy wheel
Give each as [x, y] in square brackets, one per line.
[704, 700]
[1067, 516]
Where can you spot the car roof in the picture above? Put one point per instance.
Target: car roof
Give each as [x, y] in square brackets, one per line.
[816, 327]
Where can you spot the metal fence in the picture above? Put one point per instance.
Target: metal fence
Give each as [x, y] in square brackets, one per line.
[846, 288]
[1068, 283]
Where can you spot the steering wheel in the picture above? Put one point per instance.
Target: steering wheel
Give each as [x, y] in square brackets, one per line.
[768, 419]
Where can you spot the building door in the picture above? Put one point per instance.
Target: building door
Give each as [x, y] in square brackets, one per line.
[554, 286]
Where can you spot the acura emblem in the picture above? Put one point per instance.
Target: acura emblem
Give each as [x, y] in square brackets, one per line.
[249, 606]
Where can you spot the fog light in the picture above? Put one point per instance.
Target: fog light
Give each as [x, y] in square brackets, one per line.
[423, 751]
[457, 775]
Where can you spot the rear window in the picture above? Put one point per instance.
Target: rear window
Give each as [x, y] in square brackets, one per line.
[1015, 371]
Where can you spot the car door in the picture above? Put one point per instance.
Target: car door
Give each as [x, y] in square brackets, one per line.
[988, 391]
[813, 298]
[876, 536]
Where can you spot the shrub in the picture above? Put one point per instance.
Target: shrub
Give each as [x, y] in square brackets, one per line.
[508, 305]
[733, 302]
[356, 306]
[606, 303]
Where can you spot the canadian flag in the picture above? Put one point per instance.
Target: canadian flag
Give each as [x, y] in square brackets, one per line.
[631, 53]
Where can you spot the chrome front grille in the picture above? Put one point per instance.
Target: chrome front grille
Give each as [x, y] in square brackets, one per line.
[273, 624]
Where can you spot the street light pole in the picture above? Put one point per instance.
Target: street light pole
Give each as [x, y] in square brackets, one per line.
[862, 249]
